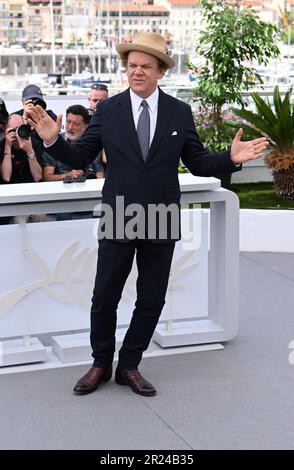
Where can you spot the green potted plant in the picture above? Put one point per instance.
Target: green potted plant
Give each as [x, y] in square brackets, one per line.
[229, 43]
[277, 125]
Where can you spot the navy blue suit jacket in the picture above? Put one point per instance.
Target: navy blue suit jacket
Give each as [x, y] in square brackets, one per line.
[152, 181]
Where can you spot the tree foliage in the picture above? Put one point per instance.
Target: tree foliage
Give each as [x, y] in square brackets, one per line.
[276, 123]
[230, 43]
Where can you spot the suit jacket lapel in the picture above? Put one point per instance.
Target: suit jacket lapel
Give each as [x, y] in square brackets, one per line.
[163, 117]
[127, 121]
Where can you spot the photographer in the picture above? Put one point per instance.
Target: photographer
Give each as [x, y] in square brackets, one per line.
[32, 96]
[77, 120]
[98, 93]
[17, 154]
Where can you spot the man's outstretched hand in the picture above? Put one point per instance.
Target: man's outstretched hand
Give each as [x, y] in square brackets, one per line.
[241, 152]
[44, 125]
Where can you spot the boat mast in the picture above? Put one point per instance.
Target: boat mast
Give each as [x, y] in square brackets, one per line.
[120, 23]
[91, 35]
[100, 19]
[63, 36]
[52, 37]
[108, 40]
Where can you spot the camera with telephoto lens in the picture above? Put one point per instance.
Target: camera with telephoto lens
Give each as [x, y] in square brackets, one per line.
[38, 101]
[23, 131]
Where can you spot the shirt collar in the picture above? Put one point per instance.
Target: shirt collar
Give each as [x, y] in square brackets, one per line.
[152, 100]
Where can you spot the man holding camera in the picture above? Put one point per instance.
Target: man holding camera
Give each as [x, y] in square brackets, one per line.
[17, 155]
[32, 96]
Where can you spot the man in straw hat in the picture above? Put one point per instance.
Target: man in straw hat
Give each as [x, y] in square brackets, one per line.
[145, 132]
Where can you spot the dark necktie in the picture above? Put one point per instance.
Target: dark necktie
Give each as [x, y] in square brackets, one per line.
[143, 129]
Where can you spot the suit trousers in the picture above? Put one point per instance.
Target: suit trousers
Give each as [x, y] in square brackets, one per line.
[114, 264]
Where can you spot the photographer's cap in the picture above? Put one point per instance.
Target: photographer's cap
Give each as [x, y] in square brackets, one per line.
[32, 91]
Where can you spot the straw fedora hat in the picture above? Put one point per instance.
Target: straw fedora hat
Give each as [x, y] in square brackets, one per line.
[150, 43]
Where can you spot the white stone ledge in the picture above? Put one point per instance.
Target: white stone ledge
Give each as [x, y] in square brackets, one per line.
[267, 230]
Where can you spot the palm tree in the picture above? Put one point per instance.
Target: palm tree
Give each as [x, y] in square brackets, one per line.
[277, 125]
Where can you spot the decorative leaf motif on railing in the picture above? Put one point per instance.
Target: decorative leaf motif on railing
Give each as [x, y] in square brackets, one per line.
[67, 262]
[177, 271]
[65, 273]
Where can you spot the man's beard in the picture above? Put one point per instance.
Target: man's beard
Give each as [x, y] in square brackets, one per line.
[72, 137]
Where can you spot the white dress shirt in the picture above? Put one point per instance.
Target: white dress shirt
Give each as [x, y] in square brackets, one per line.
[152, 102]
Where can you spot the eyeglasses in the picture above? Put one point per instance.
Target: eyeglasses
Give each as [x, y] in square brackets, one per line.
[98, 86]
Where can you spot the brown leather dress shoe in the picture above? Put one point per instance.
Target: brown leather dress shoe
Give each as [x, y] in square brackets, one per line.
[94, 377]
[135, 381]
